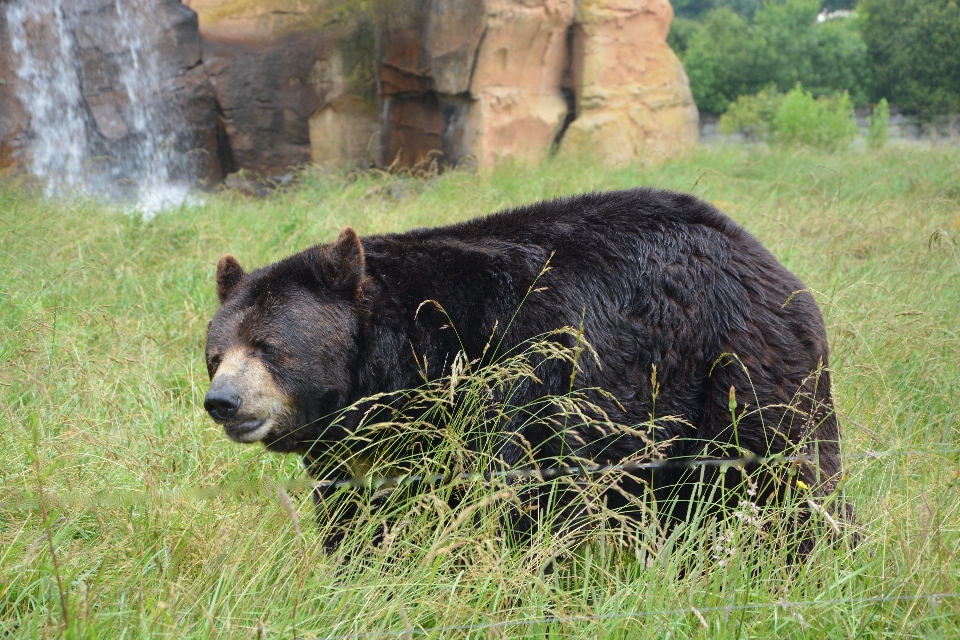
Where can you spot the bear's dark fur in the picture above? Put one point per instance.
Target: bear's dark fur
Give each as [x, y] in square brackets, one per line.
[655, 279]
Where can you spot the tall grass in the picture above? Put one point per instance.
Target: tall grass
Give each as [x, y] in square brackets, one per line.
[102, 320]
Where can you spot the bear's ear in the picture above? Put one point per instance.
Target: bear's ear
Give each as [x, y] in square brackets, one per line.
[229, 275]
[344, 266]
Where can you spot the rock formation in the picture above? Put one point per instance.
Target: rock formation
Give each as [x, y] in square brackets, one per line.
[13, 118]
[631, 93]
[288, 72]
[452, 79]
[518, 107]
[116, 109]
[381, 82]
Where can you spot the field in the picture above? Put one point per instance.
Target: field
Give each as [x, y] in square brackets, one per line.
[104, 445]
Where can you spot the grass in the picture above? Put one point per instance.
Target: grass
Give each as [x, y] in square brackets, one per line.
[102, 322]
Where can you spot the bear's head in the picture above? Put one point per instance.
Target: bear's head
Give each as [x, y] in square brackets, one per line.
[282, 348]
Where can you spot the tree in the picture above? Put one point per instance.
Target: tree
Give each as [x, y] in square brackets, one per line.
[745, 8]
[682, 31]
[914, 53]
[826, 57]
[724, 60]
[728, 57]
[835, 5]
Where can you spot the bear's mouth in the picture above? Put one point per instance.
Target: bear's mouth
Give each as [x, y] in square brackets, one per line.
[251, 430]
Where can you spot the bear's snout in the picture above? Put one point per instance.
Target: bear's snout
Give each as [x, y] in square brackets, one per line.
[244, 398]
[222, 402]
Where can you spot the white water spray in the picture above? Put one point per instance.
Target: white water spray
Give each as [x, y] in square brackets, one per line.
[50, 89]
[102, 120]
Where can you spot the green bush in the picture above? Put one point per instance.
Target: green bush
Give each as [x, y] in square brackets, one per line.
[914, 53]
[826, 123]
[879, 129]
[752, 115]
[794, 118]
[728, 56]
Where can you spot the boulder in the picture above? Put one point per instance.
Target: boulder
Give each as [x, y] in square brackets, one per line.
[519, 108]
[631, 94]
[278, 67]
[346, 132]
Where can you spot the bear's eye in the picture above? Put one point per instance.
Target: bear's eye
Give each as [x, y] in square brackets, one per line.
[213, 363]
[267, 350]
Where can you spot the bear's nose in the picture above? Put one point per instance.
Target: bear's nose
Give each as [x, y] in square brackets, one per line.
[223, 402]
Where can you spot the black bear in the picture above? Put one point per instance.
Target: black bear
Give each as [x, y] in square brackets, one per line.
[657, 281]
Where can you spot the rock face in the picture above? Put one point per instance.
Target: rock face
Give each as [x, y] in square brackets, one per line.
[346, 132]
[101, 55]
[186, 106]
[380, 82]
[13, 118]
[280, 69]
[519, 108]
[426, 57]
[631, 93]
[472, 79]
[405, 82]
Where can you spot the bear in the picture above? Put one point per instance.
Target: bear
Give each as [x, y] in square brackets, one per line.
[687, 315]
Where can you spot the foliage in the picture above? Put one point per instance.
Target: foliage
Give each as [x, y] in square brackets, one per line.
[827, 123]
[879, 130]
[836, 5]
[699, 8]
[102, 318]
[752, 115]
[794, 118]
[682, 30]
[914, 53]
[724, 59]
[745, 8]
[825, 57]
[728, 56]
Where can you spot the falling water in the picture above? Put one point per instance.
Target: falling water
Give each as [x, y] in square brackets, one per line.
[106, 127]
[50, 88]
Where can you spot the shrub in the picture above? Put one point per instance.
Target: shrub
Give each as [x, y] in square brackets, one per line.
[752, 115]
[823, 122]
[794, 118]
[879, 129]
[914, 53]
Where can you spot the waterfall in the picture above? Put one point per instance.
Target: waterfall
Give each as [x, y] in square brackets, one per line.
[49, 87]
[92, 76]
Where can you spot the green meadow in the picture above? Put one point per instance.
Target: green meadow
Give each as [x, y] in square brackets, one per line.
[126, 513]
